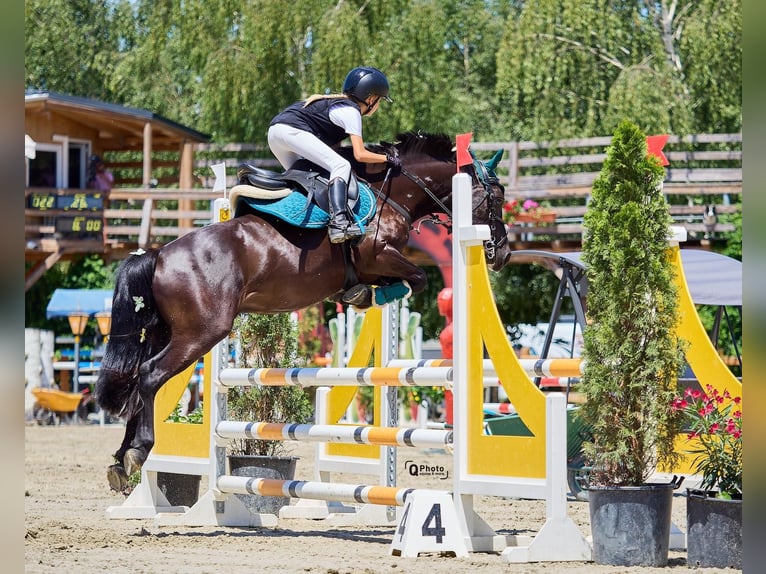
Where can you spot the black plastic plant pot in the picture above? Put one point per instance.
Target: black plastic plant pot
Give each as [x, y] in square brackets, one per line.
[630, 525]
[713, 531]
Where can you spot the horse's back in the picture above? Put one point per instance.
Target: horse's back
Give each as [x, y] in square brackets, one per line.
[247, 264]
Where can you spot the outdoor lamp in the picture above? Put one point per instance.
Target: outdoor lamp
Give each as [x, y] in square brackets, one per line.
[104, 320]
[77, 322]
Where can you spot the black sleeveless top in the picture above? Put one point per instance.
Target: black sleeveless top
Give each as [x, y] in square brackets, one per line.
[315, 119]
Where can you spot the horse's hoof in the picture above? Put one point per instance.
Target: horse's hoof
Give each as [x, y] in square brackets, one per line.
[117, 477]
[133, 461]
[359, 295]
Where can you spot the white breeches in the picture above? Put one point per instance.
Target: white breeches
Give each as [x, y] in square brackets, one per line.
[289, 144]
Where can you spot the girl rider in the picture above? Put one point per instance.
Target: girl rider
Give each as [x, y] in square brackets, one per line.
[307, 129]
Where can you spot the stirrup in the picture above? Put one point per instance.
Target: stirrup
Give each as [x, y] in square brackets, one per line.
[337, 229]
[336, 233]
[353, 231]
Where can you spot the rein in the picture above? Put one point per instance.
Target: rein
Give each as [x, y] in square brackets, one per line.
[398, 208]
[421, 184]
[482, 176]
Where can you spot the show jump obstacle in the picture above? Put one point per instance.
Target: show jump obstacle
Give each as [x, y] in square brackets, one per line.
[427, 520]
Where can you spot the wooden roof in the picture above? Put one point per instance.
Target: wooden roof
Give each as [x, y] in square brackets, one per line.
[118, 127]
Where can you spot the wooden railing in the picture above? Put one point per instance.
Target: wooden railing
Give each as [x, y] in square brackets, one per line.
[704, 169]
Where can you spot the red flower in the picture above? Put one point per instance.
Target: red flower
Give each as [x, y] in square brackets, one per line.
[714, 423]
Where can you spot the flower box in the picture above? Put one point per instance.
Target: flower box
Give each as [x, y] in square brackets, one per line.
[544, 217]
[515, 213]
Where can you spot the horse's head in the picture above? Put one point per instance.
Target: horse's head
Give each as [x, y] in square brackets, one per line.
[488, 200]
[424, 186]
[429, 161]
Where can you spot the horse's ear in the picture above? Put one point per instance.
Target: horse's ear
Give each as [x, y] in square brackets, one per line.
[492, 164]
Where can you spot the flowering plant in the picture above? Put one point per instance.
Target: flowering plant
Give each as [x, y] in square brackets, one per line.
[715, 423]
[514, 208]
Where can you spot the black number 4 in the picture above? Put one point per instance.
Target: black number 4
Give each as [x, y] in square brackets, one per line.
[435, 517]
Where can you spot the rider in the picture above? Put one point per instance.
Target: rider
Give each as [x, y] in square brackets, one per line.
[309, 128]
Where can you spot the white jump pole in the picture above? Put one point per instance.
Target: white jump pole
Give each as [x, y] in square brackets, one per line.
[380, 436]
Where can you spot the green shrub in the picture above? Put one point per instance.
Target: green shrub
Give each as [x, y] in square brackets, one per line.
[633, 356]
[267, 341]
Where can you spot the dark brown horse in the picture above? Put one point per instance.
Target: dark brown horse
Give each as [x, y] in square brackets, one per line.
[172, 305]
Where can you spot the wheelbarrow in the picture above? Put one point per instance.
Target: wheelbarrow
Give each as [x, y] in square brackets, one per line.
[577, 433]
[54, 406]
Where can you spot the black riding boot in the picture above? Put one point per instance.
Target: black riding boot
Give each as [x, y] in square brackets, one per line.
[337, 228]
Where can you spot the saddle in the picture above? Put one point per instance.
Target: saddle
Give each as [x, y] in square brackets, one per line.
[298, 196]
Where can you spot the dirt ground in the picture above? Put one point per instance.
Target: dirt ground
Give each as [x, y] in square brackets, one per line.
[66, 494]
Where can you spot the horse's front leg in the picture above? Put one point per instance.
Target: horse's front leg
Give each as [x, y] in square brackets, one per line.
[391, 264]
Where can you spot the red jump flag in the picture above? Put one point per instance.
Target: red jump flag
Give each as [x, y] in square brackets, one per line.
[654, 145]
[462, 141]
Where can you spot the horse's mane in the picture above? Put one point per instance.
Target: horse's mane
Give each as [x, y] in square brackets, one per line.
[438, 146]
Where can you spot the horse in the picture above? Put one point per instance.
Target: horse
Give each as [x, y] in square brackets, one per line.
[173, 304]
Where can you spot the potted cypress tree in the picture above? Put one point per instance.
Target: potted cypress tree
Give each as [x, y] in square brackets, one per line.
[633, 356]
[266, 341]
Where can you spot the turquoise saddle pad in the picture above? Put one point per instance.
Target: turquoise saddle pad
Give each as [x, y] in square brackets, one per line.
[293, 210]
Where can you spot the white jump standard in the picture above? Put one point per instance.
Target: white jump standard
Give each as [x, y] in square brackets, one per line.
[430, 521]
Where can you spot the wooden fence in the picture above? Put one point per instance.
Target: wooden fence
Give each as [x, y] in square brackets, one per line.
[705, 169]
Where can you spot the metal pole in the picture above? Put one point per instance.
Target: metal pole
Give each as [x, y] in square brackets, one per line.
[76, 375]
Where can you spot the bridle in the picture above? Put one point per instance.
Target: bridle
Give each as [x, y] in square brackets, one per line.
[482, 176]
[498, 235]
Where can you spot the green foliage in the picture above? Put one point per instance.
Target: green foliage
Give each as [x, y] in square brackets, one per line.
[633, 356]
[425, 304]
[57, 59]
[711, 54]
[267, 341]
[575, 68]
[539, 69]
[525, 294]
[89, 272]
[194, 417]
[656, 96]
[532, 70]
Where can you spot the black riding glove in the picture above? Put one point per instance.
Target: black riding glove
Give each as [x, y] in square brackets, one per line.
[394, 163]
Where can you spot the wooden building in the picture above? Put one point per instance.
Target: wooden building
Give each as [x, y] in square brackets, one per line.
[63, 218]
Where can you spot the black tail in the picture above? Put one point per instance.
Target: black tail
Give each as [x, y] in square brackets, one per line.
[136, 328]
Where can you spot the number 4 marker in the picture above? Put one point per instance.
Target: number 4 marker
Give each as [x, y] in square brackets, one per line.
[429, 524]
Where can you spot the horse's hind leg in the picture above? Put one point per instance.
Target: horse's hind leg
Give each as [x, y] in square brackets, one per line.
[181, 352]
[116, 473]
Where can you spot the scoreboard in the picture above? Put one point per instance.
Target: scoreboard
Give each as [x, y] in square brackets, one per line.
[78, 214]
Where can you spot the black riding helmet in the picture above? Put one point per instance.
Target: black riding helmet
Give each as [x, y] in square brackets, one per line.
[363, 82]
